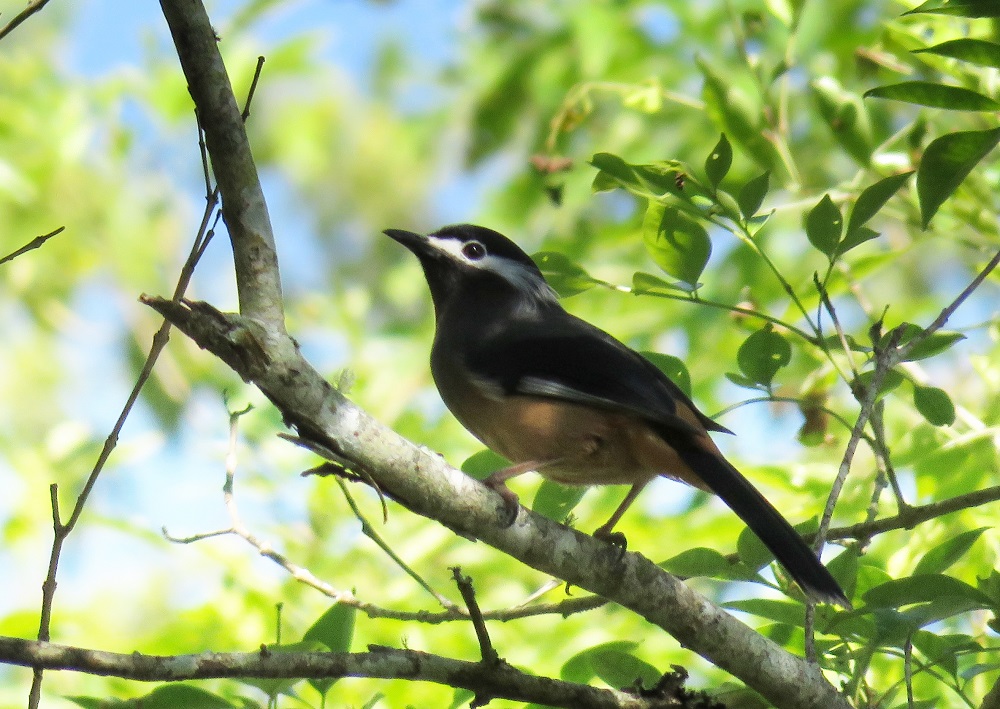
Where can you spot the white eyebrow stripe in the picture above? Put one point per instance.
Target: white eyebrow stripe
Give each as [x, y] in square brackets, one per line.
[522, 277]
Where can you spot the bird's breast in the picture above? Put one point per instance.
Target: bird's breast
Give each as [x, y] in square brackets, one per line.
[570, 443]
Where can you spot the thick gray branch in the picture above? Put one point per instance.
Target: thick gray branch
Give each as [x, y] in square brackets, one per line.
[243, 205]
[488, 680]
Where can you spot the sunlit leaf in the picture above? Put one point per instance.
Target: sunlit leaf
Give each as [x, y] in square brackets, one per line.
[673, 367]
[935, 405]
[717, 164]
[946, 162]
[335, 630]
[676, 242]
[824, 225]
[873, 198]
[847, 117]
[762, 354]
[788, 612]
[927, 93]
[556, 501]
[566, 277]
[923, 589]
[752, 551]
[731, 109]
[479, 465]
[169, 696]
[960, 8]
[941, 557]
[752, 194]
[580, 668]
[648, 284]
[974, 51]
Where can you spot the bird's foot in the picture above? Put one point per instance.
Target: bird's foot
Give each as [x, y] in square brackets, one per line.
[510, 500]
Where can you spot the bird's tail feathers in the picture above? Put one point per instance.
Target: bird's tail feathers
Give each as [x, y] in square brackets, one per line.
[766, 522]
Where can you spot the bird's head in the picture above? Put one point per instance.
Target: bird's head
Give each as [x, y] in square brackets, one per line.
[468, 261]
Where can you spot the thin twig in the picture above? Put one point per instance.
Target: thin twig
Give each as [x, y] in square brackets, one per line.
[253, 87]
[903, 352]
[369, 531]
[464, 583]
[868, 397]
[915, 515]
[33, 244]
[881, 449]
[826, 303]
[31, 8]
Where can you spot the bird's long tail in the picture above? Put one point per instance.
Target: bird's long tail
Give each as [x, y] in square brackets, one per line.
[765, 521]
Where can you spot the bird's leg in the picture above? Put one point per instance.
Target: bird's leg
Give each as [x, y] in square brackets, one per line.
[498, 483]
[604, 531]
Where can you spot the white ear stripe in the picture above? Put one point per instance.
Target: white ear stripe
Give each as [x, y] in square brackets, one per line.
[519, 275]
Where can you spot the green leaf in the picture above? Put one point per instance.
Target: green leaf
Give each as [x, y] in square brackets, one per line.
[677, 243]
[274, 686]
[946, 162]
[890, 381]
[673, 367]
[974, 51]
[617, 668]
[788, 612]
[959, 8]
[928, 93]
[926, 588]
[752, 194]
[718, 163]
[824, 225]
[566, 277]
[580, 667]
[745, 382]
[648, 284]
[935, 405]
[855, 238]
[461, 698]
[752, 551]
[96, 702]
[732, 109]
[169, 696]
[651, 181]
[847, 117]
[556, 501]
[707, 563]
[481, 464]
[934, 344]
[335, 630]
[873, 198]
[762, 354]
[941, 557]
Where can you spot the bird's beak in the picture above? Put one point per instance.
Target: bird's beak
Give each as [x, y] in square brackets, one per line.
[417, 243]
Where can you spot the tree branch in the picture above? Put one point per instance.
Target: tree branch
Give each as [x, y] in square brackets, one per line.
[491, 679]
[243, 203]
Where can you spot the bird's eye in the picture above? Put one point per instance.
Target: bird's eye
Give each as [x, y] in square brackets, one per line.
[473, 251]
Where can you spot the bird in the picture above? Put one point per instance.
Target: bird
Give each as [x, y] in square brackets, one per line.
[557, 395]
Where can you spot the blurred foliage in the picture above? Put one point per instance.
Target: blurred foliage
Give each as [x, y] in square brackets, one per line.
[857, 156]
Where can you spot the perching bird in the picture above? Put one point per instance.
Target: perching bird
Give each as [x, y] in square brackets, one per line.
[554, 394]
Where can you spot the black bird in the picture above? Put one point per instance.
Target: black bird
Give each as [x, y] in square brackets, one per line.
[554, 394]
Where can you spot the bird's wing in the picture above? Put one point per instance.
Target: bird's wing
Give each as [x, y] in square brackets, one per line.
[577, 362]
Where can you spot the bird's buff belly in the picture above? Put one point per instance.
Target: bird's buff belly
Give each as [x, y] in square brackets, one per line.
[574, 444]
